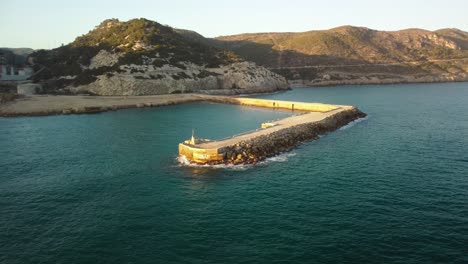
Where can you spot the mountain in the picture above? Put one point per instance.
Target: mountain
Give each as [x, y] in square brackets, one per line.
[141, 56]
[15, 56]
[19, 51]
[347, 52]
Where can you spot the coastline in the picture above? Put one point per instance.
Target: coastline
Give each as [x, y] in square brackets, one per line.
[405, 80]
[43, 105]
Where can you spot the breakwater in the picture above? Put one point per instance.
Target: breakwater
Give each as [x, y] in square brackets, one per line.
[273, 138]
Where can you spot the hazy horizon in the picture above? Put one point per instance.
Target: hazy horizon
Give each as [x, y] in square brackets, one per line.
[48, 24]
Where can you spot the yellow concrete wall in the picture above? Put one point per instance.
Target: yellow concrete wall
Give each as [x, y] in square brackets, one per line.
[299, 106]
[199, 155]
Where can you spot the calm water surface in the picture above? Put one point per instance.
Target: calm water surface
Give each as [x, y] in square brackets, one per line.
[107, 188]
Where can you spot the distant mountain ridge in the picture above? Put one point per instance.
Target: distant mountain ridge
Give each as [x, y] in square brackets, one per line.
[15, 56]
[347, 44]
[19, 51]
[350, 54]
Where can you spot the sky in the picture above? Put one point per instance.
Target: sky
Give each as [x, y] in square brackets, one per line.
[47, 24]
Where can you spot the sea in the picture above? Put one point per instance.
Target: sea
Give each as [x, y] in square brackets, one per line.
[110, 188]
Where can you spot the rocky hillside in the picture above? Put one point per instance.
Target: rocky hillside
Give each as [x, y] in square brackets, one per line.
[355, 52]
[141, 57]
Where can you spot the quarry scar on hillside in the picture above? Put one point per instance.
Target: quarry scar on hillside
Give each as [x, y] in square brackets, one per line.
[273, 137]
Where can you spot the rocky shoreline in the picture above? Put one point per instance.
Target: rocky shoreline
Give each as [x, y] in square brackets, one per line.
[378, 81]
[259, 148]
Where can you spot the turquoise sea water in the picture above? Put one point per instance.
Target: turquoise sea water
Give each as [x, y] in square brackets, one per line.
[107, 188]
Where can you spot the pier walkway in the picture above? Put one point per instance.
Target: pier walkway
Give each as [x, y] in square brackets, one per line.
[223, 151]
[279, 125]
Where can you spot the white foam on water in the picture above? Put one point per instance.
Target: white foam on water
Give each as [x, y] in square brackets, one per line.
[353, 123]
[279, 158]
[184, 162]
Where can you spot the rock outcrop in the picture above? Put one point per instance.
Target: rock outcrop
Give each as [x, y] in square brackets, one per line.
[236, 78]
[104, 58]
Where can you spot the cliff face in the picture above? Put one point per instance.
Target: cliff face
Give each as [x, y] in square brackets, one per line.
[143, 57]
[236, 78]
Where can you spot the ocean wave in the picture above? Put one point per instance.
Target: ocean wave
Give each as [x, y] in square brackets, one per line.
[184, 162]
[283, 157]
[352, 123]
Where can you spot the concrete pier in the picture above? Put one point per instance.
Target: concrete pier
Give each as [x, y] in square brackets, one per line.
[272, 138]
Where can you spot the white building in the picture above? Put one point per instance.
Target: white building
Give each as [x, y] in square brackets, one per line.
[10, 73]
